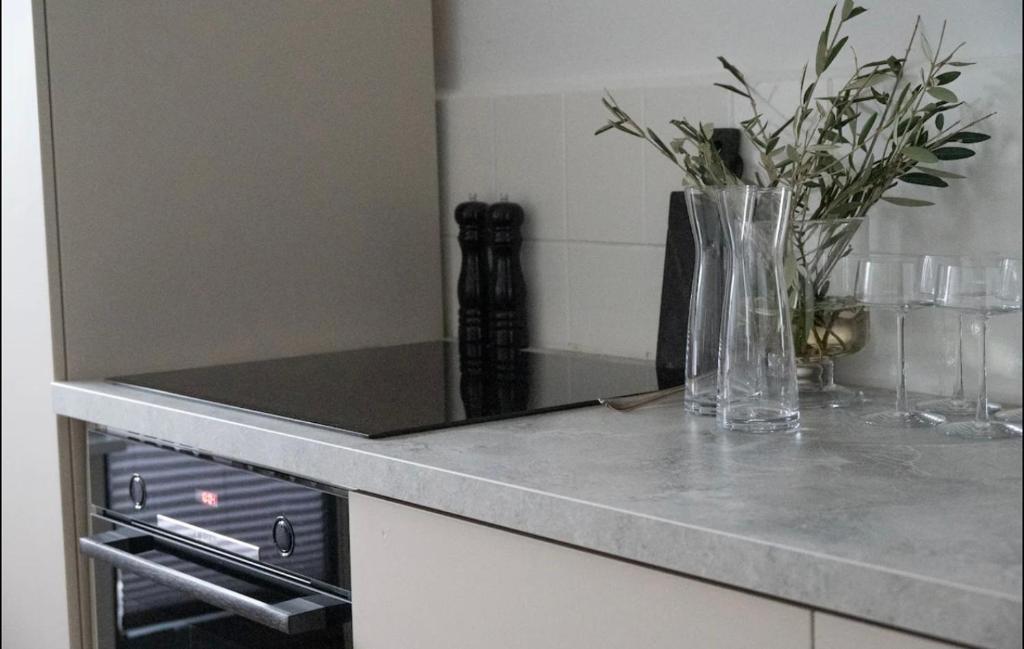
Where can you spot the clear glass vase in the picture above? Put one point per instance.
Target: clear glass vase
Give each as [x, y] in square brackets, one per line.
[706, 299]
[827, 321]
[757, 381]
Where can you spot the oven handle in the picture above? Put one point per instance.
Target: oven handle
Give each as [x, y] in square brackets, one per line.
[120, 548]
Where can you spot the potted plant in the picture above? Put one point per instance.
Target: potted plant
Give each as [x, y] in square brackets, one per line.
[842, 152]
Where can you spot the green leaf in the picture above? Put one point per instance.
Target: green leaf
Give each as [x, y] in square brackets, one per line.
[960, 64]
[856, 12]
[661, 145]
[866, 130]
[943, 94]
[733, 70]
[946, 77]
[941, 173]
[869, 80]
[916, 178]
[685, 127]
[920, 154]
[953, 153]
[733, 89]
[847, 8]
[781, 128]
[834, 52]
[926, 48]
[968, 137]
[906, 202]
[940, 121]
[822, 54]
[607, 127]
[809, 92]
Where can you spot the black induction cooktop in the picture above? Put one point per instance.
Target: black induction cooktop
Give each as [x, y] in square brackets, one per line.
[382, 391]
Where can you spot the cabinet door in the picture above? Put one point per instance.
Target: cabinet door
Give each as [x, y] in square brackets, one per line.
[421, 579]
[833, 632]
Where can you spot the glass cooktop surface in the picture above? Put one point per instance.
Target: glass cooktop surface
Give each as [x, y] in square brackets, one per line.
[383, 391]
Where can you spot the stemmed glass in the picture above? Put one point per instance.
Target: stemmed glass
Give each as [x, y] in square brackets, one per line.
[981, 290]
[957, 404]
[896, 283]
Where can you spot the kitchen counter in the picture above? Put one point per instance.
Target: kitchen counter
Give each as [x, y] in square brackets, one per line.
[904, 528]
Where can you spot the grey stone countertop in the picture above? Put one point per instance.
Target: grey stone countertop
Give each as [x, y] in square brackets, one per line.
[906, 528]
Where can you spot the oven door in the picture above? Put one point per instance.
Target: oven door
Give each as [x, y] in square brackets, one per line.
[157, 591]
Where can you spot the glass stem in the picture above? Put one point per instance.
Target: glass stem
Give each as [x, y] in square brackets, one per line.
[901, 387]
[828, 373]
[981, 416]
[958, 389]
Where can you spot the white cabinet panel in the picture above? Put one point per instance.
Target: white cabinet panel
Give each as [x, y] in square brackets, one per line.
[421, 579]
[833, 632]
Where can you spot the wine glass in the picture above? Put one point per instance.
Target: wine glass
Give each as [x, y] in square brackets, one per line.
[896, 283]
[982, 291]
[957, 404]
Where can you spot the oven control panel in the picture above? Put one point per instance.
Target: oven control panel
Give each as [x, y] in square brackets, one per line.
[260, 517]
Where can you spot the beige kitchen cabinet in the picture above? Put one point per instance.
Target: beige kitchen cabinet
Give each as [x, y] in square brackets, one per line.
[426, 580]
[834, 632]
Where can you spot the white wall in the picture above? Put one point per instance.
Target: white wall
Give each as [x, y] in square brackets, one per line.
[519, 87]
[34, 604]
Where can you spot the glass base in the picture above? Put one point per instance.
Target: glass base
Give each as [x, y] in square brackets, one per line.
[818, 389]
[700, 407]
[951, 407]
[898, 419]
[759, 419]
[981, 430]
[834, 396]
[1010, 416]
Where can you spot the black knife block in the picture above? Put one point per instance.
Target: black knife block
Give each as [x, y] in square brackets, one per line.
[677, 276]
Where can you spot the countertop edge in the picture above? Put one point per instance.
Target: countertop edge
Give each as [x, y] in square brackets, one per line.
[802, 577]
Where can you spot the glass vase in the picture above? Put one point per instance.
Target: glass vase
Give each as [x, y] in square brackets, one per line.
[706, 298]
[827, 321]
[757, 382]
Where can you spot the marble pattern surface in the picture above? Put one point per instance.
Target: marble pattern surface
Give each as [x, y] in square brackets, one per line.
[906, 528]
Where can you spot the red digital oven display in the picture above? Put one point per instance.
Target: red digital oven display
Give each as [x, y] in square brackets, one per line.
[208, 498]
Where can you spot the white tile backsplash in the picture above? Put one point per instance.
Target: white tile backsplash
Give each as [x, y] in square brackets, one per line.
[546, 270]
[598, 208]
[604, 174]
[530, 161]
[465, 153]
[614, 297]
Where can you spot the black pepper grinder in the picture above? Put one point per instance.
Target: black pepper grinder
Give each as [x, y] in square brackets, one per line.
[506, 297]
[472, 287]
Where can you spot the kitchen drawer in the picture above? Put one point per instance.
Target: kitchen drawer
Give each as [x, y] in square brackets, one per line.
[432, 581]
[834, 632]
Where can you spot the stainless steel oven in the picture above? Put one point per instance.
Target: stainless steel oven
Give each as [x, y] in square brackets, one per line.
[194, 552]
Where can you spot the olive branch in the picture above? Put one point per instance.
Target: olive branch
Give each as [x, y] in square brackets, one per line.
[840, 153]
